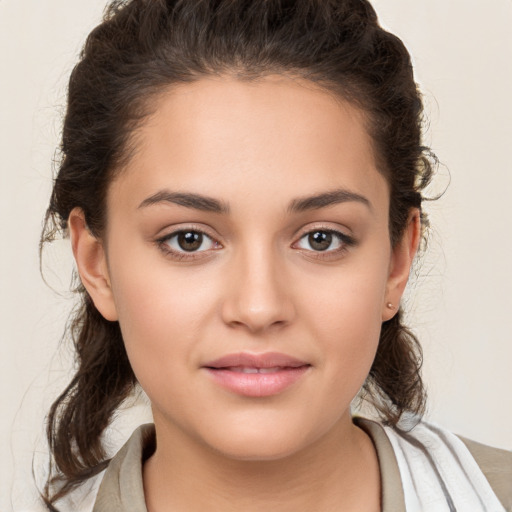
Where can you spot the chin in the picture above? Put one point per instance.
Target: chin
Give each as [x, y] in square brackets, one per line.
[259, 441]
[258, 450]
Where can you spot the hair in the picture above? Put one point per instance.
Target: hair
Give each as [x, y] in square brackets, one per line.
[144, 47]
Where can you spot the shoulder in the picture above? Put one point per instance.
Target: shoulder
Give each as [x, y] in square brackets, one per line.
[122, 489]
[482, 466]
[496, 465]
[437, 467]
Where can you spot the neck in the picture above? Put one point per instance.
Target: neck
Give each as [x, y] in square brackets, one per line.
[338, 472]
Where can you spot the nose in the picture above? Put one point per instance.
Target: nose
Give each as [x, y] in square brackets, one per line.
[258, 295]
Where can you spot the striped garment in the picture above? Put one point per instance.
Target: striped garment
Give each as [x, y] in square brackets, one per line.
[438, 472]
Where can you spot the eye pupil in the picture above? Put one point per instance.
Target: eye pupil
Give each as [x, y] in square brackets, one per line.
[190, 240]
[320, 240]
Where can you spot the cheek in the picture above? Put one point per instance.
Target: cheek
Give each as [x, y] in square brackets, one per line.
[162, 313]
[150, 291]
[345, 316]
[347, 300]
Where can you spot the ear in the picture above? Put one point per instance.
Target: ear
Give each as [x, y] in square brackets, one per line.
[92, 266]
[402, 257]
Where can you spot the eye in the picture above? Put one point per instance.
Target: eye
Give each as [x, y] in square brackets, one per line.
[187, 241]
[324, 240]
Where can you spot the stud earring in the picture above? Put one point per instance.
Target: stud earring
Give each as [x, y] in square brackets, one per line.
[389, 305]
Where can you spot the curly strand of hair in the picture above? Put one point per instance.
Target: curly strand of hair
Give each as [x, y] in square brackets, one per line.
[394, 384]
[79, 416]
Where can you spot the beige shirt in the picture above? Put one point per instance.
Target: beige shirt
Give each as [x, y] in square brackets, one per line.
[121, 489]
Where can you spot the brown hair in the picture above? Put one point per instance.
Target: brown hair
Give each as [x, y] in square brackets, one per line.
[144, 46]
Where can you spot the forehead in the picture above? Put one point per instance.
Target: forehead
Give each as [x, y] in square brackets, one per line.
[232, 139]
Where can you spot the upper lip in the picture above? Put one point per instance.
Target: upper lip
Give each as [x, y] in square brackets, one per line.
[264, 360]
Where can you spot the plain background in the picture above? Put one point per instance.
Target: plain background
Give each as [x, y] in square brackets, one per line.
[461, 296]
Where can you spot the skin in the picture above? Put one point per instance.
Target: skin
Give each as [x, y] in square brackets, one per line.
[255, 285]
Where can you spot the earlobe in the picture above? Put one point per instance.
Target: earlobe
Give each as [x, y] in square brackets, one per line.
[91, 263]
[402, 258]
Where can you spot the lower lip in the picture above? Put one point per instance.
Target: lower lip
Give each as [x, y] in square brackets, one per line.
[257, 384]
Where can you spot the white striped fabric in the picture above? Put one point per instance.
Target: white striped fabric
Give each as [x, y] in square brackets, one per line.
[438, 472]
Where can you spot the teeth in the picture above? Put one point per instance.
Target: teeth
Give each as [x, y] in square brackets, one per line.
[249, 370]
[269, 370]
[245, 369]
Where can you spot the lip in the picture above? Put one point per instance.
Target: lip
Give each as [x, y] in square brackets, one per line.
[256, 375]
[263, 360]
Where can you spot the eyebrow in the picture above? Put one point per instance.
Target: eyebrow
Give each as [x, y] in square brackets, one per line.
[326, 199]
[187, 199]
[209, 204]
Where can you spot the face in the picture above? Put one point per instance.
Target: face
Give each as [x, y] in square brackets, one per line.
[248, 261]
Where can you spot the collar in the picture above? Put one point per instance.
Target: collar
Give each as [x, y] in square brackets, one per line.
[121, 489]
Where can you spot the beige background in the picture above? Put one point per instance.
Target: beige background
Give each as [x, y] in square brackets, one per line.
[461, 301]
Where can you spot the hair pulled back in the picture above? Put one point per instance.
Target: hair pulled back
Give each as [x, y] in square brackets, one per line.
[143, 47]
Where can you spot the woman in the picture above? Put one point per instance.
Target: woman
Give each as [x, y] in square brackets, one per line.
[242, 185]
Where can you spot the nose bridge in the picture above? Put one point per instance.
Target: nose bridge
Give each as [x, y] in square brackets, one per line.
[257, 296]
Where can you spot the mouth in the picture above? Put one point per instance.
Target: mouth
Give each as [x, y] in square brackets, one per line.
[252, 370]
[256, 375]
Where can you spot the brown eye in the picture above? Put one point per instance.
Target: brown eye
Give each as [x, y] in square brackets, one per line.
[320, 240]
[190, 240]
[325, 240]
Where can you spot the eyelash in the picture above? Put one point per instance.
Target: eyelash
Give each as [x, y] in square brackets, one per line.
[344, 240]
[163, 244]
